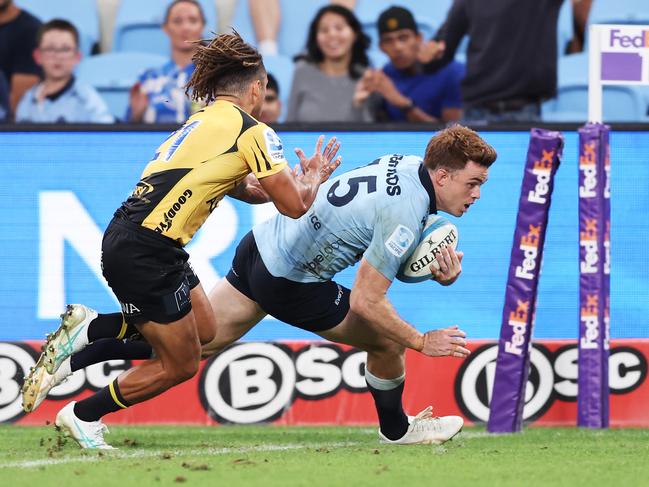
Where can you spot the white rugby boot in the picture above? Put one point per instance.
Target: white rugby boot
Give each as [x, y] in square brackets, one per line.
[426, 429]
[38, 383]
[89, 434]
[71, 336]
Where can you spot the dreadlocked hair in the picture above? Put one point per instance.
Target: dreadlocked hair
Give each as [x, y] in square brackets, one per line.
[224, 65]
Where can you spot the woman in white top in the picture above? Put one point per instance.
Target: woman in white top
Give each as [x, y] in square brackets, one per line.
[326, 76]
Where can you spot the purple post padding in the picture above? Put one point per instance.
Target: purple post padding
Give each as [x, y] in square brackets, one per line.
[512, 365]
[594, 273]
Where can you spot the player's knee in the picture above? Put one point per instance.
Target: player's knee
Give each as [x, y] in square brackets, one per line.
[207, 333]
[388, 350]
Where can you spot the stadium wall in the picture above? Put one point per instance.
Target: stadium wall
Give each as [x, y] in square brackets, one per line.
[60, 187]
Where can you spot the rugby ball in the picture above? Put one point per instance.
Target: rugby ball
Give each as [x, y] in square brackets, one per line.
[438, 233]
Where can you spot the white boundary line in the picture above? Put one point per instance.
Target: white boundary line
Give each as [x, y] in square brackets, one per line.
[110, 455]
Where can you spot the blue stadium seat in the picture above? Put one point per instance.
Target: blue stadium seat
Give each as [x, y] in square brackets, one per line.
[432, 11]
[619, 12]
[281, 67]
[620, 104]
[296, 18]
[114, 73]
[138, 25]
[82, 13]
[564, 27]
[425, 26]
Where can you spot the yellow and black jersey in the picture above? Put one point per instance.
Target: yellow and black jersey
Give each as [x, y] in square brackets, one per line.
[197, 165]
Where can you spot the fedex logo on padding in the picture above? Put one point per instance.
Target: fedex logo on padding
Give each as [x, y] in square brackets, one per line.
[588, 316]
[587, 165]
[542, 170]
[518, 322]
[530, 247]
[588, 240]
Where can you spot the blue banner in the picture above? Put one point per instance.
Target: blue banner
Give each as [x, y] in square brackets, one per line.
[59, 191]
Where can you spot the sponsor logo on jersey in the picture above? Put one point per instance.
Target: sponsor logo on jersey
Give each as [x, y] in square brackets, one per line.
[323, 255]
[392, 178]
[273, 145]
[171, 213]
[400, 241]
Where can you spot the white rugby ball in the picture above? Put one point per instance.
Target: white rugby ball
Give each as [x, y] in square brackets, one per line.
[438, 233]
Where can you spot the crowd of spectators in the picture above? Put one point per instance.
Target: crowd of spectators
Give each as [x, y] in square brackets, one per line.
[333, 79]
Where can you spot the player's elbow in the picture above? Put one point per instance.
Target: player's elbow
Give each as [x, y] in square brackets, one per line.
[295, 210]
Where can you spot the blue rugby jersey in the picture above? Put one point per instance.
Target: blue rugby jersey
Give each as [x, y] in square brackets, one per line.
[377, 212]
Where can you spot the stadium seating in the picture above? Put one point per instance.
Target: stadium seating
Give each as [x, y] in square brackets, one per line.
[619, 12]
[564, 27]
[621, 103]
[281, 67]
[296, 18]
[82, 13]
[137, 26]
[425, 26]
[431, 12]
[114, 73]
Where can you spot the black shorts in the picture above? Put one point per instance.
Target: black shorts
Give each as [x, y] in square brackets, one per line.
[312, 306]
[148, 272]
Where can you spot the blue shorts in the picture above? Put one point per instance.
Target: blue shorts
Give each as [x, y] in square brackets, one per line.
[311, 306]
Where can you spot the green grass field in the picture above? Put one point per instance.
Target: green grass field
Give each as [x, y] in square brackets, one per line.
[327, 456]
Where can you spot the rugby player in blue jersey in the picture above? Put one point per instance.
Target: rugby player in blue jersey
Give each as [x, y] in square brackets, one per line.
[375, 215]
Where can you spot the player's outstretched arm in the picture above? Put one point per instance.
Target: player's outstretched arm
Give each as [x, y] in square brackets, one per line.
[250, 191]
[368, 299]
[293, 195]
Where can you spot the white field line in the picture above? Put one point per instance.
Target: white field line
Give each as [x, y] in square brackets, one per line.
[119, 454]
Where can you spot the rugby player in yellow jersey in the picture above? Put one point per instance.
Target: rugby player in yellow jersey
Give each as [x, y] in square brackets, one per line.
[222, 149]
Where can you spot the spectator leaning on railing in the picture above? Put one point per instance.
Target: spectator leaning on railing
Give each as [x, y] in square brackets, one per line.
[60, 97]
[159, 94]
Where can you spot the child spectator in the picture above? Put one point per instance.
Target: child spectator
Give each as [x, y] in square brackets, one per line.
[60, 97]
[326, 77]
[272, 108]
[159, 95]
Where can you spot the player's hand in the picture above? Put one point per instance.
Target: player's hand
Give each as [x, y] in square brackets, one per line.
[322, 162]
[450, 266]
[430, 50]
[448, 342]
[139, 102]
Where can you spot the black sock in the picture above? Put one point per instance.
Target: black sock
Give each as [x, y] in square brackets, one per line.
[110, 325]
[392, 420]
[110, 349]
[107, 400]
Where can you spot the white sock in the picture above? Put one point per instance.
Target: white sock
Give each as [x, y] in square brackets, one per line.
[268, 48]
[383, 384]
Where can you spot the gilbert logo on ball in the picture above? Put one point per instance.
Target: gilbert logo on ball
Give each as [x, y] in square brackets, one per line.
[438, 233]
